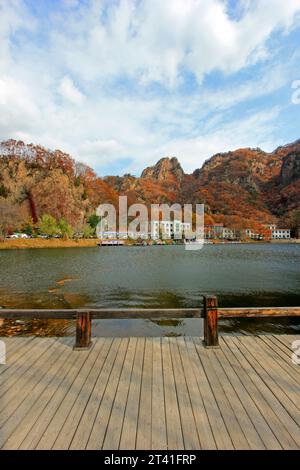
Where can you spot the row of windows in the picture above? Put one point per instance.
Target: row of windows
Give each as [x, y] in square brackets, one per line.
[281, 232]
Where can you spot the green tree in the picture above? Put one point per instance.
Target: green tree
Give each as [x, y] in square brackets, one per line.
[47, 225]
[65, 229]
[94, 220]
[88, 231]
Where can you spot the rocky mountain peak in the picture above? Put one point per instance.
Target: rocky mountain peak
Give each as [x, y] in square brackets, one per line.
[165, 169]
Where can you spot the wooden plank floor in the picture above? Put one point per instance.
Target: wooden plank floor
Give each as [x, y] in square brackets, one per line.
[150, 393]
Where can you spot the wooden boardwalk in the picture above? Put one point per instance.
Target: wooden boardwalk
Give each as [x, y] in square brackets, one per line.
[150, 393]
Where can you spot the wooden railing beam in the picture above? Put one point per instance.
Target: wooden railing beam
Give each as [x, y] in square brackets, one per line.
[210, 313]
[104, 313]
[259, 312]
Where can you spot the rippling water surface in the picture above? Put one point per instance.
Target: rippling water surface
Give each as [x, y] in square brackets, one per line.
[158, 276]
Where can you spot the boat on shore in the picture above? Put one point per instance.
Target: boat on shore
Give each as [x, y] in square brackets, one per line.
[193, 244]
[111, 243]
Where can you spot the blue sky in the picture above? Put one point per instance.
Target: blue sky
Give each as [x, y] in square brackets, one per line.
[120, 84]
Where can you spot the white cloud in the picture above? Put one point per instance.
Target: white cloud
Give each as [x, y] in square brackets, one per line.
[79, 79]
[17, 107]
[69, 91]
[13, 16]
[106, 150]
[154, 40]
[255, 130]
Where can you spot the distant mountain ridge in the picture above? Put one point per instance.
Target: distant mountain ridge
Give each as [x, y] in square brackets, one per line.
[236, 186]
[165, 169]
[240, 187]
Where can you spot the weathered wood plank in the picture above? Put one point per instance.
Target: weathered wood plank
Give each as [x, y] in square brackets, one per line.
[82, 371]
[229, 417]
[278, 345]
[233, 395]
[25, 378]
[259, 434]
[218, 427]
[15, 348]
[15, 367]
[287, 341]
[282, 371]
[14, 343]
[115, 424]
[107, 313]
[68, 429]
[151, 393]
[285, 363]
[83, 431]
[129, 430]
[43, 426]
[205, 434]
[259, 312]
[144, 427]
[266, 432]
[30, 409]
[159, 433]
[173, 422]
[102, 419]
[61, 384]
[271, 375]
[189, 430]
[103, 313]
[269, 405]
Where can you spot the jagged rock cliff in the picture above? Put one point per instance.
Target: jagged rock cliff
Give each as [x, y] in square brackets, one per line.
[237, 187]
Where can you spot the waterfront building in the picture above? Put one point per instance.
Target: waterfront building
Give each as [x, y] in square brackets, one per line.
[253, 235]
[281, 233]
[213, 231]
[271, 226]
[228, 234]
[169, 229]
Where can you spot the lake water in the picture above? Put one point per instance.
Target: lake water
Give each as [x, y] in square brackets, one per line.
[158, 276]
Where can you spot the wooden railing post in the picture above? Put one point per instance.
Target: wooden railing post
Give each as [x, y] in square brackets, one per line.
[83, 331]
[211, 339]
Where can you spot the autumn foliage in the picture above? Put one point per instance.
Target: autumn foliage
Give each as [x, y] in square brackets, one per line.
[247, 188]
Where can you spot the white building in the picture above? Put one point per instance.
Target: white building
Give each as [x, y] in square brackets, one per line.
[169, 229]
[228, 233]
[271, 227]
[164, 229]
[249, 233]
[281, 233]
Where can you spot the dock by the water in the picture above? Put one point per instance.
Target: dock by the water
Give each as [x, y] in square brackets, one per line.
[150, 393]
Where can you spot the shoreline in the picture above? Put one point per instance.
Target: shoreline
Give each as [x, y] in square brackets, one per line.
[34, 243]
[21, 244]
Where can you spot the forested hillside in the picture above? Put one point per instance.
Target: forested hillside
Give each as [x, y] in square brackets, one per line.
[239, 188]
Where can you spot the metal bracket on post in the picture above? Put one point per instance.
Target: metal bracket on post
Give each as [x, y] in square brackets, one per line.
[211, 340]
[83, 332]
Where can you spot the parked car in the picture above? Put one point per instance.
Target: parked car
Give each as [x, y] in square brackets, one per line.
[19, 235]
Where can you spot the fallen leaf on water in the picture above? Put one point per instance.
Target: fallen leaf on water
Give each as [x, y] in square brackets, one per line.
[61, 282]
